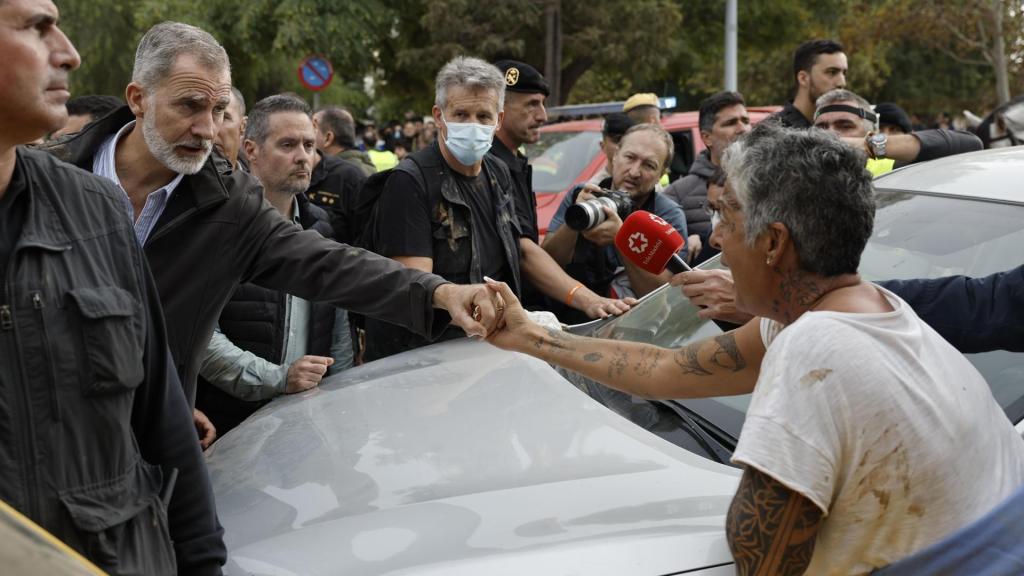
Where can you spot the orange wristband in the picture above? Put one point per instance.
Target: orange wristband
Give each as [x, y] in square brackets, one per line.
[568, 298]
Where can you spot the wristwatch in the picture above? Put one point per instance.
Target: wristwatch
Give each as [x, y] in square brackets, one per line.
[876, 142]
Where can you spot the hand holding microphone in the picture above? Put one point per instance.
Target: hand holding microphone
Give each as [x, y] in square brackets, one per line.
[651, 243]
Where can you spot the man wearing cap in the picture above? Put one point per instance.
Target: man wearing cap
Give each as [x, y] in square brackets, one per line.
[892, 119]
[614, 127]
[642, 108]
[850, 117]
[525, 91]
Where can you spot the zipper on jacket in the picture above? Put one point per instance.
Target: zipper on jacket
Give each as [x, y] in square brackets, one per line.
[38, 304]
[26, 429]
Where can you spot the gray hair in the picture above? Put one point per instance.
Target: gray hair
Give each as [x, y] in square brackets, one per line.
[237, 94]
[162, 44]
[257, 128]
[842, 95]
[472, 73]
[659, 132]
[812, 183]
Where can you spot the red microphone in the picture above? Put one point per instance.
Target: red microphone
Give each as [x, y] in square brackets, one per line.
[651, 243]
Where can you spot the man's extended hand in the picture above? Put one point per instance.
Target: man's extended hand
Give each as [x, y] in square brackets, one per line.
[713, 292]
[306, 372]
[596, 306]
[204, 429]
[515, 327]
[473, 307]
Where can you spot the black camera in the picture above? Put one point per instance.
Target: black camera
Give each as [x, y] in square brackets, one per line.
[586, 215]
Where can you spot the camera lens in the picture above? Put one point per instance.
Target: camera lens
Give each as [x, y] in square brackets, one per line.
[587, 214]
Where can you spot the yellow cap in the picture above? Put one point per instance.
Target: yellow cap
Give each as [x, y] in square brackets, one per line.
[640, 99]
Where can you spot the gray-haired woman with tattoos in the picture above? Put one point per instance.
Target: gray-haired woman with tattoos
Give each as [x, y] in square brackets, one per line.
[868, 436]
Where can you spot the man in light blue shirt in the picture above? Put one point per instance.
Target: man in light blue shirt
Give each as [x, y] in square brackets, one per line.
[590, 255]
[267, 342]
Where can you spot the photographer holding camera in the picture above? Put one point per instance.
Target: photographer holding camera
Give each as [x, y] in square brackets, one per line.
[585, 244]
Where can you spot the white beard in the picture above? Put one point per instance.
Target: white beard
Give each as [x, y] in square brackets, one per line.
[164, 152]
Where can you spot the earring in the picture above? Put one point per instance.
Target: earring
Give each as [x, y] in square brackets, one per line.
[768, 262]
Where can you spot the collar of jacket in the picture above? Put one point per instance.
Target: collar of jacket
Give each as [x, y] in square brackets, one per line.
[44, 225]
[511, 159]
[199, 191]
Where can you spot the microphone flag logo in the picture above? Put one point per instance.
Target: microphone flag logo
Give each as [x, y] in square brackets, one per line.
[637, 242]
[657, 220]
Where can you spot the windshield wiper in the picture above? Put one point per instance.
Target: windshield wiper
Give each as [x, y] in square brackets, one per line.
[698, 428]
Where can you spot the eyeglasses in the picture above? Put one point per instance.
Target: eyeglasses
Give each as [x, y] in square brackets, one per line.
[711, 211]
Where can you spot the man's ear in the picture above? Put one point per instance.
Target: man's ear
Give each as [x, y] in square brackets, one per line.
[501, 118]
[803, 78]
[250, 149]
[706, 138]
[328, 139]
[242, 125]
[135, 95]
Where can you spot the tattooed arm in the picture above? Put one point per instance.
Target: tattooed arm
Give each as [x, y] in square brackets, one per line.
[725, 365]
[771, 529]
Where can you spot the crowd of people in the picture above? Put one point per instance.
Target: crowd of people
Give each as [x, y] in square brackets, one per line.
[177, 258]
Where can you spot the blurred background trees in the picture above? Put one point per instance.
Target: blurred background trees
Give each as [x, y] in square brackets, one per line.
[930, 56]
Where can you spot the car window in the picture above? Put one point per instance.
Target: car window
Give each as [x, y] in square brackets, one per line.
[558, 158]
[915, 236]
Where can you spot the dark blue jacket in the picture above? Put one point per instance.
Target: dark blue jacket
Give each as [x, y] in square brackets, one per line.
[973, 314]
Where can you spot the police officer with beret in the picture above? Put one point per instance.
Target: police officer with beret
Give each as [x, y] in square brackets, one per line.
[525, 92]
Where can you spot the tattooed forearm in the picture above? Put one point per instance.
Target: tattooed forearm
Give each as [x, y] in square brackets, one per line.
[689, 363]
[556, 339]
[727, 355]
[771, 529]
[649, 357]
[593, 357]
[619, 361]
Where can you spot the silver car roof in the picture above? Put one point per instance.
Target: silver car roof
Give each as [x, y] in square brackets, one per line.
[996, 174]
[456, 459]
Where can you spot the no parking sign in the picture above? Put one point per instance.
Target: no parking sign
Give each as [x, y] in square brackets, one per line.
[316, 73]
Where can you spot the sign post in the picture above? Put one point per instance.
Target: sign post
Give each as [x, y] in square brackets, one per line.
[316, 73]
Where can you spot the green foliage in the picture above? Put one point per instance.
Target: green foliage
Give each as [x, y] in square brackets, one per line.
[898, 49]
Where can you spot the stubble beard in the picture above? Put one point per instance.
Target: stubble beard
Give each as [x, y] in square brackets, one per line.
[164, 151]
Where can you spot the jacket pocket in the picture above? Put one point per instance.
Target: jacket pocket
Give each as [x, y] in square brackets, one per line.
[122, 524]
[111, 339]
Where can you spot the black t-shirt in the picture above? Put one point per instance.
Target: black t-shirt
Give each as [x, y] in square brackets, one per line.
[405, 221]
[13, 210]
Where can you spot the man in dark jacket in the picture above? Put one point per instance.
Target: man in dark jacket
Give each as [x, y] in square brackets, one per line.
[336, 136]
[205, 228]
[722, 119]
[524, 114]
[268, 342]
[333, 186]
[95, 427]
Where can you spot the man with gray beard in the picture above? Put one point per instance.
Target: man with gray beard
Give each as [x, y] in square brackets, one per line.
[205, 228]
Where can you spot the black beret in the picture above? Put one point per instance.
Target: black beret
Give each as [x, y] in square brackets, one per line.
[616, 124]
[889, 113]
[521, 77]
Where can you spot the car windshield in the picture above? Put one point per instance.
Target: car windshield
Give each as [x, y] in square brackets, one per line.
[558, 158]
[915, 236]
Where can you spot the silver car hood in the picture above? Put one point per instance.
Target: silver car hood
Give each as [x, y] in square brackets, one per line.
[458, 459]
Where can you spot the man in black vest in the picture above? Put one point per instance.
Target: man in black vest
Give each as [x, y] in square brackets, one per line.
[449, 209]
[268, 342]
[525, 90]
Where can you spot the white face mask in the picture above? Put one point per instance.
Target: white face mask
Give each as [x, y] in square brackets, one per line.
[468, 141]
